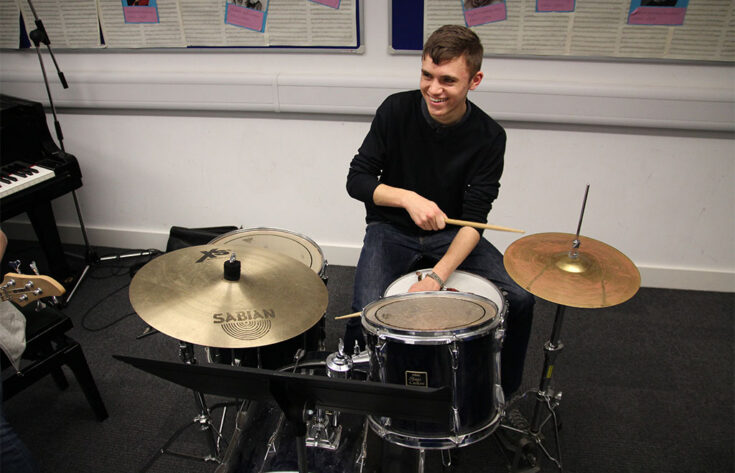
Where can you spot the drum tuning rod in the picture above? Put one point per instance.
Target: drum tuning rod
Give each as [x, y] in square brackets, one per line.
[467, 223]
[348, 316]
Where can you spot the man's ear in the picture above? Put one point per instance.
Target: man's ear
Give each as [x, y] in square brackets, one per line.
[476, 79]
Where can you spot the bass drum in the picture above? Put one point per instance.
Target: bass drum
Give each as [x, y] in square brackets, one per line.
[434, 339]
[300, 248]
[285, 242]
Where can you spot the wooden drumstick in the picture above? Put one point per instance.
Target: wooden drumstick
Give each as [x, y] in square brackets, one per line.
[348, 316]
[467, 223]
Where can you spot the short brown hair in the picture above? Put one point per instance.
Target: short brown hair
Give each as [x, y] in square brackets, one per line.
[451, 41]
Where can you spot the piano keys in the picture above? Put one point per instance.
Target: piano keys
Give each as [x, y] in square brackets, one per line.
[19, 175]
[26, 146]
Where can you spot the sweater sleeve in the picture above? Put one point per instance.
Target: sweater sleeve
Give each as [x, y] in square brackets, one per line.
[484, 182]
[367, 165]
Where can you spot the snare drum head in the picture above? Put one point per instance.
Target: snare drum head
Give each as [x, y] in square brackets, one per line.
[461, 281]
[287, 243]
[430, 314]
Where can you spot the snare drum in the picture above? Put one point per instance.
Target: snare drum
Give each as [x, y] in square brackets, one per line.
[435, 339]
[300, 248]
[460, 281]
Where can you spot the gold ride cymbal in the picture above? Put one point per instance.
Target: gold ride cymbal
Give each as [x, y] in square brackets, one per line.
[184, 294]
[599, 276]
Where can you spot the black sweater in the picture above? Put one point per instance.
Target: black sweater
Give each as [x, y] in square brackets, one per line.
[457, 166]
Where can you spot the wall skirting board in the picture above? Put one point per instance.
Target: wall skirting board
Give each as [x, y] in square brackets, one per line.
[347, 255]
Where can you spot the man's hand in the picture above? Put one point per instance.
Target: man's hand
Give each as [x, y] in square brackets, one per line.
[426, 284]
[424, 213]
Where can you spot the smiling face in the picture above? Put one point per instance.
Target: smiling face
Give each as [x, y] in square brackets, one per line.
[445, 86]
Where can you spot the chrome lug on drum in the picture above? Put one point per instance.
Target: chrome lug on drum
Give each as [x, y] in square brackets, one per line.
[339, 364]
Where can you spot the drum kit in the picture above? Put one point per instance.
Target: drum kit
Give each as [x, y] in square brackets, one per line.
[258, 297]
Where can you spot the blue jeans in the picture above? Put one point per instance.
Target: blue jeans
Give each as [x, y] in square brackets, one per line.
[14, 456]
[388, 253]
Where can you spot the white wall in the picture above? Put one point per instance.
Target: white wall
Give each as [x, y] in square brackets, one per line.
[253, 139]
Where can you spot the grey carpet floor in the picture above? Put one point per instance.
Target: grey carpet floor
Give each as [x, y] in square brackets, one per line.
[646, 386]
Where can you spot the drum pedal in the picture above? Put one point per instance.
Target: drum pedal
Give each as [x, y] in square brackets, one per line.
[322, 431]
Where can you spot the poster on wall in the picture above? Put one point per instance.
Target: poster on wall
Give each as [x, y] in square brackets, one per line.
[555, 6]
[140, 11]
[9, 24]
[67, 24]
[657, 12]
[480, 12]
[330, 3]
[119, 33]
[247, 14]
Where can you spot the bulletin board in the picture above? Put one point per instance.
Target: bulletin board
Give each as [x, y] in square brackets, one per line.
[593, 29]
[140, 24]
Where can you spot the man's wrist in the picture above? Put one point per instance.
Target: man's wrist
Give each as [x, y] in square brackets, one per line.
[436, 278]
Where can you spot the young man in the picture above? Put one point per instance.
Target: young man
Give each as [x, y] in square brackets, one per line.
[432, 154]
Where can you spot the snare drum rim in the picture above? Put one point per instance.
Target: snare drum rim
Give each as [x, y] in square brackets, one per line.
[439, 442]
[322, 269]
[434, 337]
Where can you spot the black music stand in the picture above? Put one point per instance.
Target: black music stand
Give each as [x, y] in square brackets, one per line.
[295, 393]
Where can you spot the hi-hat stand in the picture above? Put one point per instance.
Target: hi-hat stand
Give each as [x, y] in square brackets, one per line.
[38, 36]
[213, 436]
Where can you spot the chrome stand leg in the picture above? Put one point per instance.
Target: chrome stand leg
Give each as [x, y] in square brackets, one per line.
[272, 448]
[422, 460]
[446, 458]
[360, 462]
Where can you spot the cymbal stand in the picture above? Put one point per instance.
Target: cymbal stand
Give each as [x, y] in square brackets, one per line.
[544, 410]
[546, 400]
[203, 420]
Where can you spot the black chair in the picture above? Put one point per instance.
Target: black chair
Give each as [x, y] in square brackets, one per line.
[48, 348]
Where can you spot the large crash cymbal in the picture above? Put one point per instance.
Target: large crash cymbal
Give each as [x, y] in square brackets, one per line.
[184, 294]
[599, 276]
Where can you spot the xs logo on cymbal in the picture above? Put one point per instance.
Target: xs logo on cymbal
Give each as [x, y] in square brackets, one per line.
[213, 253]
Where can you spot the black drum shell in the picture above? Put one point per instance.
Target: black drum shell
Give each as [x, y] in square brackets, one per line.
[273, 356]
[473, 387]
